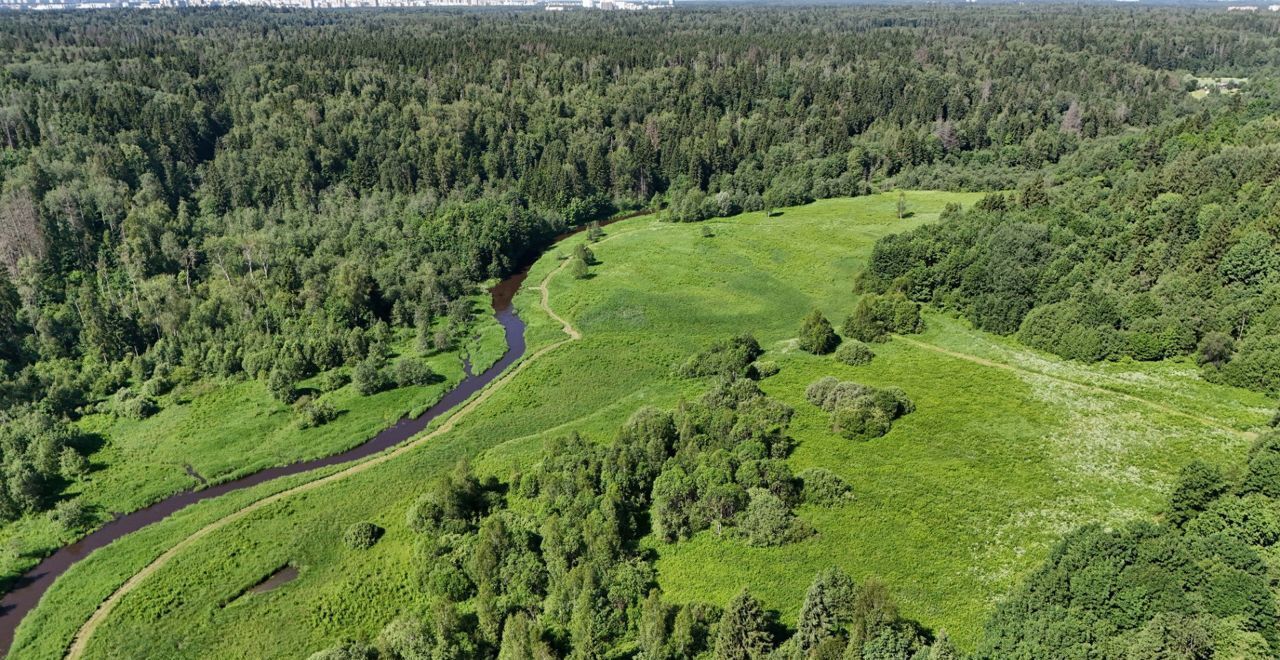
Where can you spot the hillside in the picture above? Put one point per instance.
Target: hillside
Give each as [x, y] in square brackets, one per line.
[1006, 451]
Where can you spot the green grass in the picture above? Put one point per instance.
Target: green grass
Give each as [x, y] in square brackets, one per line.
[224, 429]
[952, 507]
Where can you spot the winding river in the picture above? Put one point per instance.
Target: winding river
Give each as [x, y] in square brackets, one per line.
[32, 585]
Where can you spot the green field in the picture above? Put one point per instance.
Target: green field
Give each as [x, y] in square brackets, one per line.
[1007, 450]
[224, 429]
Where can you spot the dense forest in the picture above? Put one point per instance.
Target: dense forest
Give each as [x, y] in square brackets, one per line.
[272, 195]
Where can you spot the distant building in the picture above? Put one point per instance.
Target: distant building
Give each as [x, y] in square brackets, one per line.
[1242, 8]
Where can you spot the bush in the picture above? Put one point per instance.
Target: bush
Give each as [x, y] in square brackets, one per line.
[315, 413]
[130, 405]
[854, 353]
[822, 487]
[769, 368]
[1215, 349]
[368, 377]
[860, 420]
[72, 515]
[361, 535]
[723, 358]
[858, 411]
[816, 335]
[769, 522]
[348, 650]
[331, 381]
[875, 317]
[409, 371]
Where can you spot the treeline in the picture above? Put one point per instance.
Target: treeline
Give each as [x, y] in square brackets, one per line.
[1176, 252]
[549, 564]
[1196, 585]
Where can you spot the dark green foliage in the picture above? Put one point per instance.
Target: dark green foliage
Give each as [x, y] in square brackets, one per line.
[1198, 484]
[743, 633]
[826, 609]
[579, 269]
[281, 385]
[409, 371]
[1215, 349]
[370, 377]
[313, 412]
[361, 535]
[1197, 588]
[38, 452]
[332, 380]
[768, 521]
[858, 411]
[825, 488]
[875, 317]
[854, 353]
[72, 515]
[816, 335]
[732, 357]
[766, 368]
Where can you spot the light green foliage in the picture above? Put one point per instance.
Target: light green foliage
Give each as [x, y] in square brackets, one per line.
[361, 535]
[854, 353]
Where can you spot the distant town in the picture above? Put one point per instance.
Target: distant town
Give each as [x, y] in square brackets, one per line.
[548, 5]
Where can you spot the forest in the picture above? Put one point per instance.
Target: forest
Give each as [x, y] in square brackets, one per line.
[313, 201]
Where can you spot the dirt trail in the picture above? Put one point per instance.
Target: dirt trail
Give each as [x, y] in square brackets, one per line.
[1207, 421]
[81, 641]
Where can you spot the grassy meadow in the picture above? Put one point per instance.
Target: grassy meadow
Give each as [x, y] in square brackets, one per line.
[225, 429]
[1007, 450]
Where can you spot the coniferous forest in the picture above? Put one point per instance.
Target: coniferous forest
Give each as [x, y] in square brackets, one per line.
[195, 198]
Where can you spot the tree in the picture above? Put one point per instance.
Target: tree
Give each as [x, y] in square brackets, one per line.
[72, 464]
[654, 626]
[827, 607]
[369, 377]
[409, 371]
[768, 520]
[1215, 349]
[816, 335]
[1198, 484]
[873, 610]
[902, 205]
[579, 269]
[743, 633]
[281, 385]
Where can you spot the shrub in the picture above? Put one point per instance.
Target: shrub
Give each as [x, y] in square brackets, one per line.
[816, 335]
[858, 411]
[731, 357]
[409, 371]
[368, 377]
[579, 269]
[875, 317]
[818, 390]
[349, 650]
[281, 385]
[769, 368]
[860, 420]
[331, 381]
[822, 487]
[72, 515]
[361, 535]
[769, 522]
[1215, 349]
[315, 413]
[130, 405]
[854, 353]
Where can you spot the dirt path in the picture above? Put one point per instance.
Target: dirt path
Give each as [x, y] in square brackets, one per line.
[1207, 421]
[81, 641]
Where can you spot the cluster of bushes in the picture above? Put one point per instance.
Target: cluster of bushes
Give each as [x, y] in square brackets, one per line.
[39, 455]
[858, 412]
[1195, 586]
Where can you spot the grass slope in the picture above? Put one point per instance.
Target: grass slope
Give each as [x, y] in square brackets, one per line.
[958, 501]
